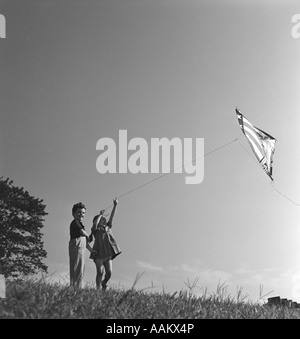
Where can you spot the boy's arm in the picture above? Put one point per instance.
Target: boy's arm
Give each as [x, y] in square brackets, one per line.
[82, 231]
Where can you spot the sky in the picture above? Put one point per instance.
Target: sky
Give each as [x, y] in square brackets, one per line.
[75, 72]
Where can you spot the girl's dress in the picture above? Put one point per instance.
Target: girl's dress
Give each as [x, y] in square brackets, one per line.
[105, 244]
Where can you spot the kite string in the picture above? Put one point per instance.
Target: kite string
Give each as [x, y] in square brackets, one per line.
[286, 197]
[272, 182]
[179, 167]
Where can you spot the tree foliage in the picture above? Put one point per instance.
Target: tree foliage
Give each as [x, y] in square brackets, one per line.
[21, 221]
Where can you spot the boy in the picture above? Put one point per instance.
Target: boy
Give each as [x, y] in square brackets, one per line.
[77, 245]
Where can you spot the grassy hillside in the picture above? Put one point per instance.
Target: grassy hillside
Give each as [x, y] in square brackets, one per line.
[41, 299]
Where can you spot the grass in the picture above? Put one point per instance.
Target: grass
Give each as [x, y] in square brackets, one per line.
[41, 299]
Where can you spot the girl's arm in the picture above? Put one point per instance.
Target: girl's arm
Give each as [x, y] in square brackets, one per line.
[109, 224]
[88, 246]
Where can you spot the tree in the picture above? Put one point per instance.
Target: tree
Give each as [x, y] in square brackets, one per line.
[21, 221]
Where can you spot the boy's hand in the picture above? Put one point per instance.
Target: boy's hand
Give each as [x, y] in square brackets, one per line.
[102, 212]
[115, 201]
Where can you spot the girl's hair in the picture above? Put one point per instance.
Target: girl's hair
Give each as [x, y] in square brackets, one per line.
[95, 217]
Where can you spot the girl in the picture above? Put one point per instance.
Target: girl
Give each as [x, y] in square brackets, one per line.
[105, 246]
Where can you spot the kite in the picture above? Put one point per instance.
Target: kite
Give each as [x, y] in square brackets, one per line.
[262, 144]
